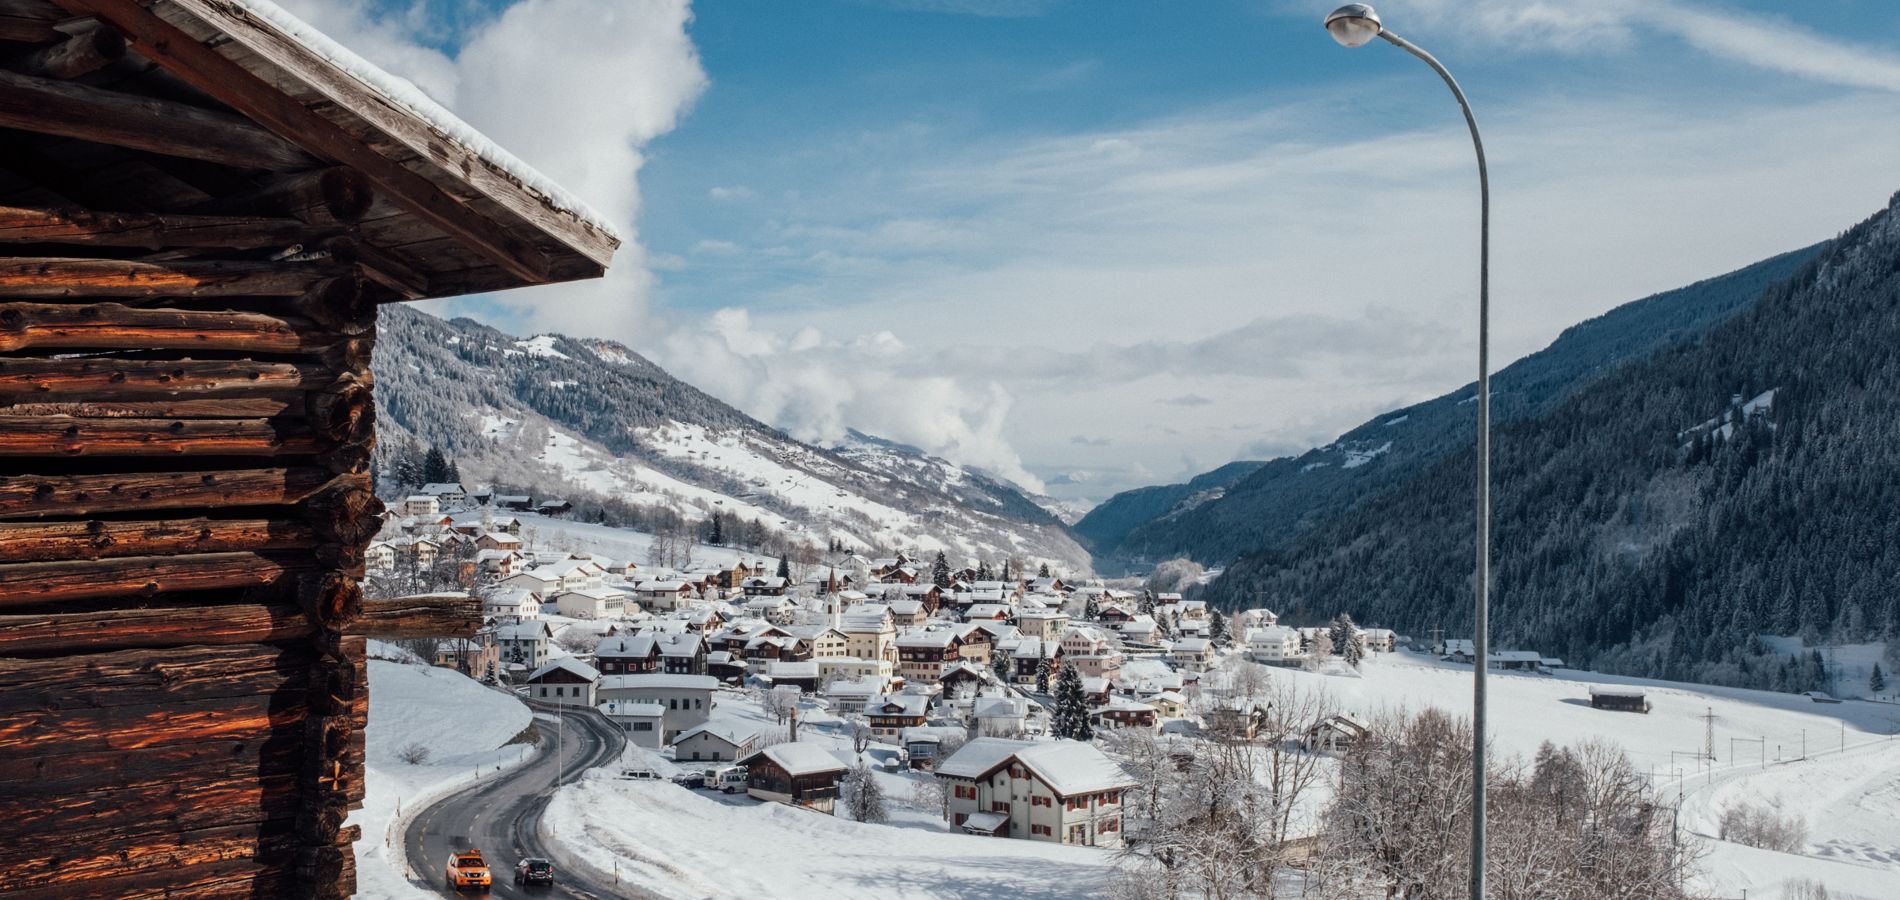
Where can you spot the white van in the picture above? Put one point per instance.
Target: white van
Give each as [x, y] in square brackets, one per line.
[730, 780]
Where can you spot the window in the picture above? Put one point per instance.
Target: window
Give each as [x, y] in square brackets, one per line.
[673, 703]
[999, 806]
[961, 817]
[700, 703]
[1038, 829]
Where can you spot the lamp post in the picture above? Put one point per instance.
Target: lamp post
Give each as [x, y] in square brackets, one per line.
[1355, 25]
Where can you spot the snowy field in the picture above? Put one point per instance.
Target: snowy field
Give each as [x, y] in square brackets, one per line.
[1850, 799]
[464, 726]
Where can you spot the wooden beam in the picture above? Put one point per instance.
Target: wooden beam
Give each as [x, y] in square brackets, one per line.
[426, 616]
[27, 31]
[93, 539]
[115, 326]
[88, 51]
[21, 225]
[28, 496]
[27, 583]
[47, 106]
[106, 379]
[328, 197]
[215, 408]
[66, 436]
[120, 629]
[209, 71]
[54, 277]
[137, 677]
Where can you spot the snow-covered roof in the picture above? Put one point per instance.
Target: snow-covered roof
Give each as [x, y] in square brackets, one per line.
[800, 759]
[903, 704]
[1068, 767]
[566, 664]
[734, 733]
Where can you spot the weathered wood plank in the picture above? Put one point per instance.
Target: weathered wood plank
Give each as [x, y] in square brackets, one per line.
[88, 632]
[145, 677]
[153, 231]
[66, 436]
[196, 408]
[110, 379]
[124, 728]
[90, 857]
[65, 109]
[204, 68]
[330, 197]
[27, 278]
[83, 495]
[26, 583]
[115, 326]
[438, 615]
[87, 51]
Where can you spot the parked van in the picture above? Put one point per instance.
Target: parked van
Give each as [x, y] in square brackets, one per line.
[730, 780]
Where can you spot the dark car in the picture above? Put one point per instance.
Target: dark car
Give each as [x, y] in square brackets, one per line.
[534, 870]
[694, 780]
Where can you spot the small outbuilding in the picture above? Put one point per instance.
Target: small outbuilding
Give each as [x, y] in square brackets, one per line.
[1621, 699]
[795, 774]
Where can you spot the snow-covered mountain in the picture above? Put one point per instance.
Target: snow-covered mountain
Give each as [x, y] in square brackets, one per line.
[589, 417]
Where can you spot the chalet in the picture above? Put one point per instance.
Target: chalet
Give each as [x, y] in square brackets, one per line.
[1169, 704]
[1114, 615]
[1049, 585]
[764, 586]
[447, 493]
[516, 502]
[664, 595]
[420, 505]
[726, 667]
[963, 679]
[498, 540]
[1058, 791]
[565, 680]
[795, 774]
[683, 653]
[688, 698]
[892, 713]
[1027, 656]
[1091, 652]
[1622, 699]
[1231, 724]
[380, 556]
[922, 654]
[524, 644]
[1516, 660]
[908, 613]
[1191, 654]
[930, 595]
[1335, 733]
[496, 565]
[1140, 630]
[642, 722]
[1123, 713]
[715, 742]
[774, 608]
[542, 583]
[628, 654]
[995, 612]
[554, 509]
[821, 641]
[802, 675]
[703, 620]
[1379, 640]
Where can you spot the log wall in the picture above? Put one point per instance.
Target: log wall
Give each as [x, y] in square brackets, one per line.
[184, 505]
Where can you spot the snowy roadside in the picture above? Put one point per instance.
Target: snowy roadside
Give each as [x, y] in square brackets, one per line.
[463, 728]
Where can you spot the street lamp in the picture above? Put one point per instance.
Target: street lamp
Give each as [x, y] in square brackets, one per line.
[1355, 25]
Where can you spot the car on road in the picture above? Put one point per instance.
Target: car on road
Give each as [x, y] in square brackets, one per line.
[534, 870]
[467, 869]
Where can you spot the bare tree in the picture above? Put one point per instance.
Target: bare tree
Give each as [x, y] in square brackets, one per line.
[779, 703]
[863, 797]
[860, 732]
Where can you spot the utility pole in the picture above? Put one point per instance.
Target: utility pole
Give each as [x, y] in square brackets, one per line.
[1708, 740]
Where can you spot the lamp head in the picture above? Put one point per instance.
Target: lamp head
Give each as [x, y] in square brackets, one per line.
[1354, 24]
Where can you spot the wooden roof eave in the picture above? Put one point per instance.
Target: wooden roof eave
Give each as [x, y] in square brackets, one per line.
[514, 236]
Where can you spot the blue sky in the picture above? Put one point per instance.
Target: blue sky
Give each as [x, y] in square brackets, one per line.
[1097, 244]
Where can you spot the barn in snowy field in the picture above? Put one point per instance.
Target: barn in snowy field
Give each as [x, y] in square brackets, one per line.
[202, 204]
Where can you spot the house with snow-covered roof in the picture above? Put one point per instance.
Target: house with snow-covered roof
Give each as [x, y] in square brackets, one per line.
[564, 680]
[892, 713]
[592, 603]
[798, 774]
[524, 645]
[688, 698]
[1192, 654]
[642, 722]
[513, 603]
[1274, 645]
[716, 741]
[1065, 791]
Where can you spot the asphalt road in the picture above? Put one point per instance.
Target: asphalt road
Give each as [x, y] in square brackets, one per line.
[502, 816]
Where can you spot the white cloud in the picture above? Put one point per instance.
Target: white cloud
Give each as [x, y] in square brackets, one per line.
[819, 389]
[576, 88]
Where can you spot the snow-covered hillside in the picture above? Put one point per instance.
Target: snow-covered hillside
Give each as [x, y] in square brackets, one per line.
[590, 417]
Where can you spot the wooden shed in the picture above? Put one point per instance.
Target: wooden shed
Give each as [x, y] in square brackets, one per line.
[202, 204]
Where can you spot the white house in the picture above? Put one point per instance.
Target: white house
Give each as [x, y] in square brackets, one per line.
[644, 723]
[999, 716]
[716, 742]
[380, 556]
[1191, 654]
[687, 698]
[565, 680]
[446, 493]
[1275, 645]
[1058, 791]
[664, 594]
[524, 644]
[421, 505]
[511, 602]
[591, 603]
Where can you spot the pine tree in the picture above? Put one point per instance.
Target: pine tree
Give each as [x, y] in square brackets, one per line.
[1091, 610]
[1042, 671]
[1043, 571]
[406, 467]
[1354, 650]
[455, 473]
[718, 534]
[1147, 605]
[1343, 632]
[1877, 681]
[785, 568]
[1072, 707]
[940, 571]
[435, 466]
[999, 663]
[983, 571]
[1217, 629]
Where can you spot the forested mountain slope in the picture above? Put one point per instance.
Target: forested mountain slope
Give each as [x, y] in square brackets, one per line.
[1107, 525]
[1657, 519]
[601, 425]
[1279, 501]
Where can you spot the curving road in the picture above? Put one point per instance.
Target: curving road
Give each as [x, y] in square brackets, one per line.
[503, 816]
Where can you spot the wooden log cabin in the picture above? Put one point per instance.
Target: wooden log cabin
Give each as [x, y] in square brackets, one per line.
[202, 204]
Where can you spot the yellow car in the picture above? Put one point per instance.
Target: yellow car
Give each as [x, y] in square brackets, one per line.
[467, 870]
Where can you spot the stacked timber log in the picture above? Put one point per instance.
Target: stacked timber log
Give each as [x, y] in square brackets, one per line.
[199, 216]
